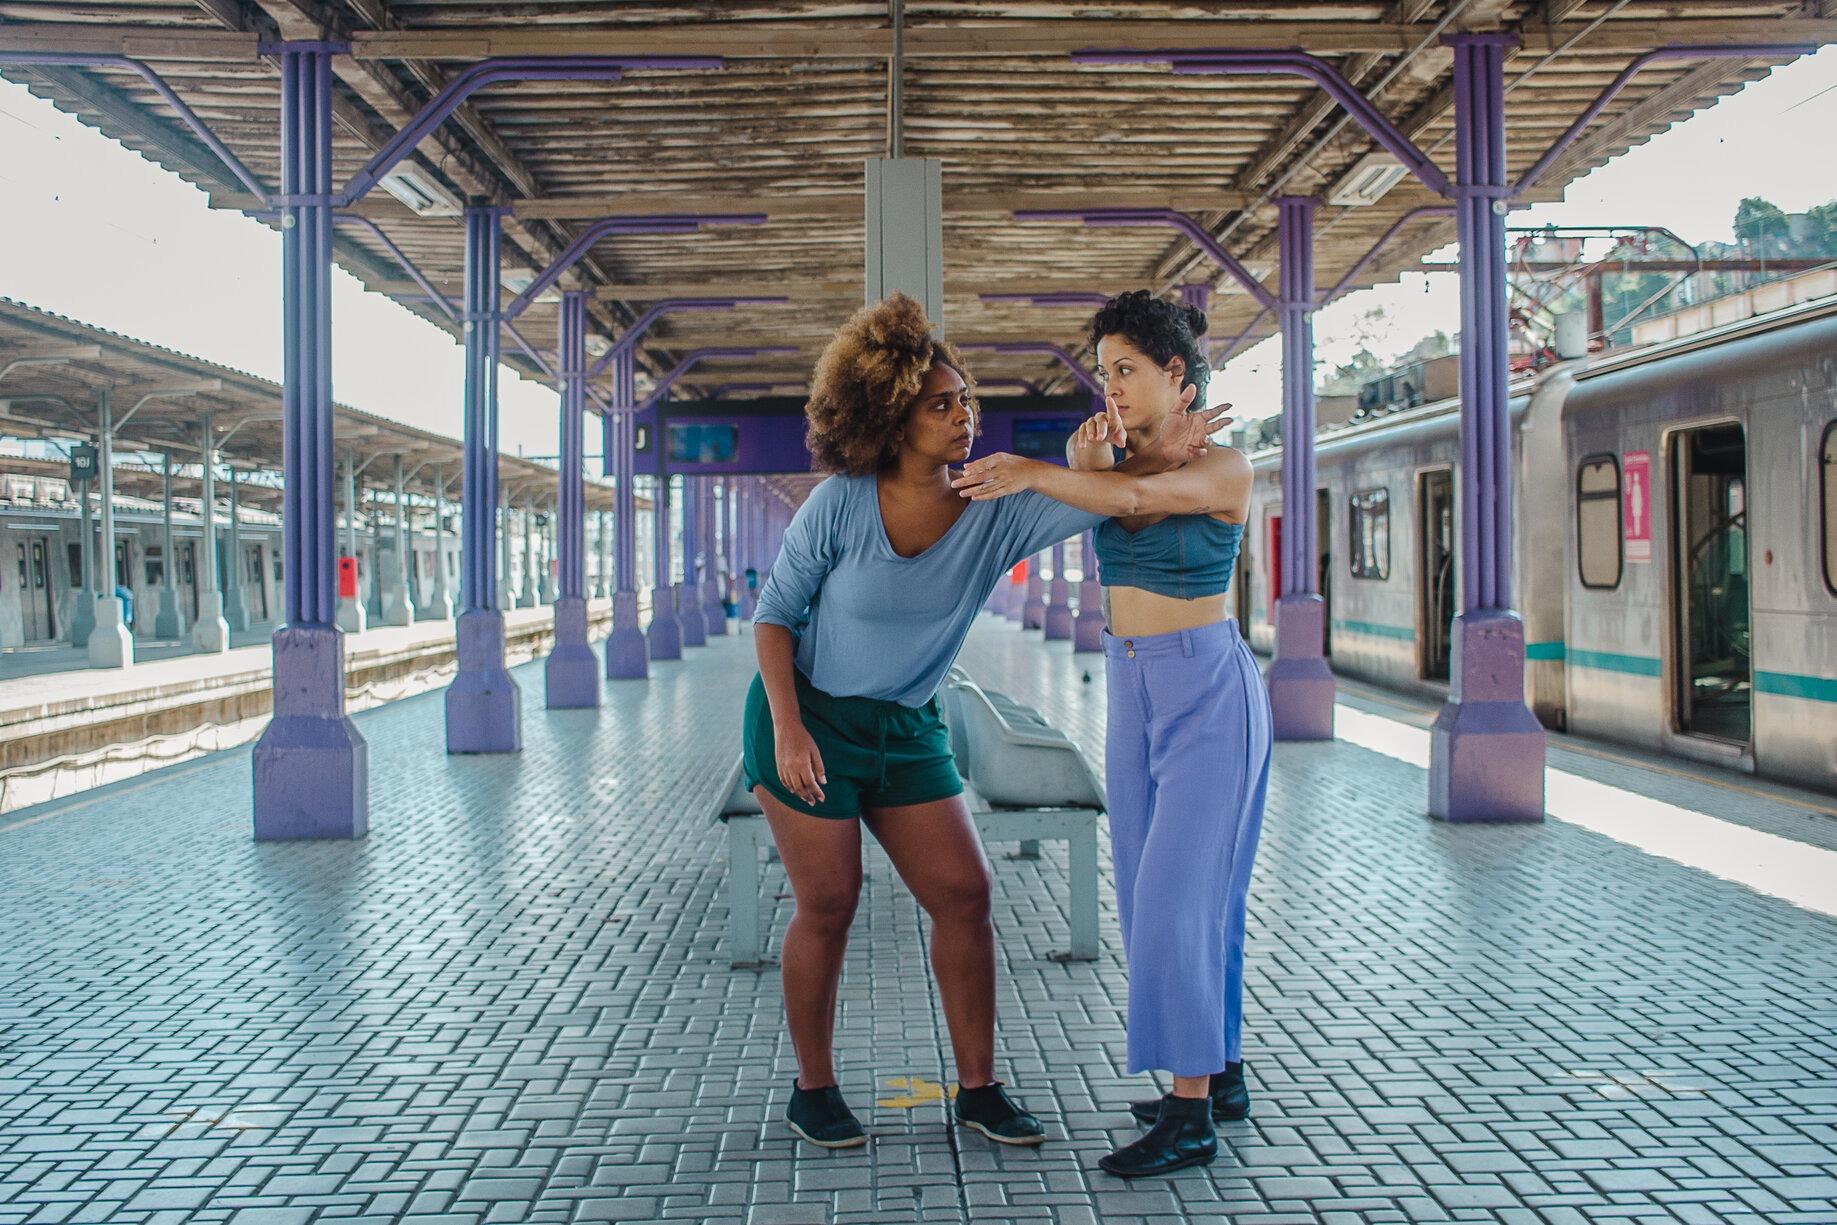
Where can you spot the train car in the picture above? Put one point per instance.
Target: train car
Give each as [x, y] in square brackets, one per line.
[1675, 545]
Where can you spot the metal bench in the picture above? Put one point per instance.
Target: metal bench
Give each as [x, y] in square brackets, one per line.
[1027, 783]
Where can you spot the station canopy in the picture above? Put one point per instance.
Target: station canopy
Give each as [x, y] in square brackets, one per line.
[51, 369]
[802, 95]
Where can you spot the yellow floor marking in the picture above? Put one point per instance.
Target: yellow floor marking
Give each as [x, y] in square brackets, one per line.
[918, 1092]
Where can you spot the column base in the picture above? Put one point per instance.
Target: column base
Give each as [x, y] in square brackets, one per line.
[211, 635]
[529, 599]
[1486, 748]
[483, 706]
[440, 608]
[1033, 613]
[628, 657]
[110, 644]
[714, 612]
[236, 610]
[398, 609]
[83, 617]
[548, 594]
[664, 636]
[689, 616]
[352, 617]
[167, 622]
[572, 674]
[1088, 625]
[312, 766]
[1058, 622]
[1301, 686]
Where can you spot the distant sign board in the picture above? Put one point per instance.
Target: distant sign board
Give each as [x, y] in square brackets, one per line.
[82, 463]
[1636, 504]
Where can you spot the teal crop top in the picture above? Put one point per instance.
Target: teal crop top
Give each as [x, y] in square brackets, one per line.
[1183, 556]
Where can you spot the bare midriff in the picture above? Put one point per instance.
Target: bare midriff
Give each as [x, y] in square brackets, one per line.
[1134, 612]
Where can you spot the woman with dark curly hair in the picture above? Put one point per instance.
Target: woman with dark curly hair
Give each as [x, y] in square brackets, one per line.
[1188, 742]
[879, 577]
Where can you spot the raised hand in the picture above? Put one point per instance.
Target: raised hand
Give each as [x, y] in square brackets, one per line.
[1187, 434]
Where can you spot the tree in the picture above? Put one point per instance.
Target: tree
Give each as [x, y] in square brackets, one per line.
[1761, 227]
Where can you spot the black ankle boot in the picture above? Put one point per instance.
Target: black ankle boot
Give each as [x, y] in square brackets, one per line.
[1182, 1136]
[1230, 1098]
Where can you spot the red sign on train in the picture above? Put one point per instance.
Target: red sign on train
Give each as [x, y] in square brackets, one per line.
[1636, 508]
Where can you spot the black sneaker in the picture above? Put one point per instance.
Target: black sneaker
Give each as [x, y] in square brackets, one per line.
[992, 1112]
[823, 1118]
[1230, 1098]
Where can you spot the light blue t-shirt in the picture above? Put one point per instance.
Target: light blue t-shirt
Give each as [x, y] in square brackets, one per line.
[874, 624]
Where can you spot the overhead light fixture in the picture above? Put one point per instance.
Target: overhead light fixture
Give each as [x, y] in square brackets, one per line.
[421, 192]
[1369, 179]
[598, 346]
[517, 282]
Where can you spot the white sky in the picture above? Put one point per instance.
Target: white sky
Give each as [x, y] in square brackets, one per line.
[80, 210]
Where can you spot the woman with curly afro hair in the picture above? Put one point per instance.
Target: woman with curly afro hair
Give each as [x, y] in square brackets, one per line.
[1188, 742]
[878, 579]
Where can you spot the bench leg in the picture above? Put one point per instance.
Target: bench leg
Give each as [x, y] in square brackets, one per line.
[743, 890]
[1082, 847]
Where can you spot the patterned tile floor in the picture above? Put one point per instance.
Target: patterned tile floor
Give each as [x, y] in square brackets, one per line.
[511, 1003]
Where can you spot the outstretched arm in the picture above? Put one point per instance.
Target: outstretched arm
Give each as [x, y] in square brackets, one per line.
[1217, 483]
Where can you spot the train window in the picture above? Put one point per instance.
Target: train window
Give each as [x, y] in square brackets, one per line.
[1370, 522]
[1597, 521]
[1827, 467]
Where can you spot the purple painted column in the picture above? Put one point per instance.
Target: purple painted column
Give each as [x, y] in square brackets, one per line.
[572, 673]
[1486, 748]
[748, 555]
[311, 766]
[714, 567]
[627, 653]
[730, 543]
[689, 591]
[665, 632]
[483, 710]
[1087, 630]
[1059, 608]
[1033, 610]
[1300, 683]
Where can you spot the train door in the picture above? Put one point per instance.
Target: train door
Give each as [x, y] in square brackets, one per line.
[1323, 536]
[255, 581]
[1713, 664]
[1435, 552]
[37, 611]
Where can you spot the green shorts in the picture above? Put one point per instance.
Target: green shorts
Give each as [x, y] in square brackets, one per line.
[876, 754]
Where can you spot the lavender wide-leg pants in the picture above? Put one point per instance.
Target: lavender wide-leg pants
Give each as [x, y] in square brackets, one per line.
[1187, 764]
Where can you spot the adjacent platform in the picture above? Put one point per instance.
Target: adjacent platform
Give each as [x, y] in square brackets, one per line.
[510, 1002]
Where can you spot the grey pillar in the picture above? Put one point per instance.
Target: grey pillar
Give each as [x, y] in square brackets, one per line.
[168, 624]
[83, 614]
[440, 608]
[211, 633]
[546, 576]
[507, 598]
[530, 597]
[110, 644]
[602, 578]
[353, 617]
[398, 605]
[235, 601]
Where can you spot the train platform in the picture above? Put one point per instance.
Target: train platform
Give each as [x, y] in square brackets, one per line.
[511, 1001]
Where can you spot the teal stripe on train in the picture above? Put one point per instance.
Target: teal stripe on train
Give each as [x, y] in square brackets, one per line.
[1792, 685]
[1376, 630]
[1608, 661]
[1545, 651]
